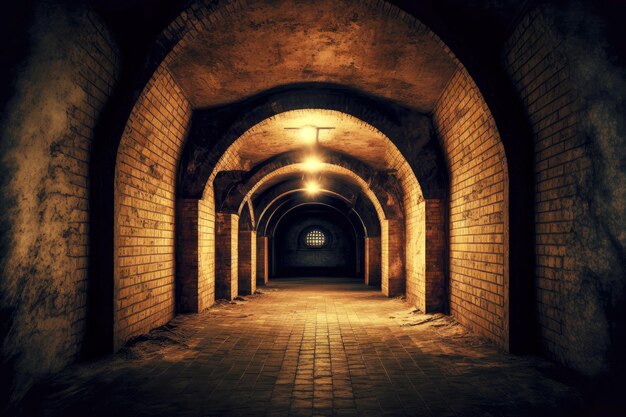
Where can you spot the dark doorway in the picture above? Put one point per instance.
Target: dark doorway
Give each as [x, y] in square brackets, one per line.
[314, 241]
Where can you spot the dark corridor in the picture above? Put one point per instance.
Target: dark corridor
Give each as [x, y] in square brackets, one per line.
[316, 240]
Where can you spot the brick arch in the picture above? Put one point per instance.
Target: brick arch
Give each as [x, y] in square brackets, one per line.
[298, 197]
[155, 87]
[383, 190]
[350, 202]
[247, 220]
[270, 200]
[385, 211]
[392, 229]
[200, 163]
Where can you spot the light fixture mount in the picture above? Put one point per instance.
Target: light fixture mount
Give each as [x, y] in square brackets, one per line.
[310, 134]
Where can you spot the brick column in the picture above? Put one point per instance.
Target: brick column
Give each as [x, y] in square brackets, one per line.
[187, 257]
[435, 256]
[392, 257]
[262, 260]
[247, 262]
[372, 261]
[226, 251]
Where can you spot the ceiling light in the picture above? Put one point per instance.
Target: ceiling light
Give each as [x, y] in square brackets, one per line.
[308, 134]
[312, 164]
[312, 187]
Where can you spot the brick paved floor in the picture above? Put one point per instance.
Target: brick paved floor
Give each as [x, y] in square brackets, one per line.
[306, 348]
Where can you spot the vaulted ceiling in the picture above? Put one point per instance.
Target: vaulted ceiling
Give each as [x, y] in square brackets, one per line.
[353, 43]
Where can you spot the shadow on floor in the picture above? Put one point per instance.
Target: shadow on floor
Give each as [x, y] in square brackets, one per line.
[310, 347]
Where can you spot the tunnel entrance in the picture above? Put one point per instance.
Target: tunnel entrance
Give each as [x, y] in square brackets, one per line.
[315, 241]
[419, 163]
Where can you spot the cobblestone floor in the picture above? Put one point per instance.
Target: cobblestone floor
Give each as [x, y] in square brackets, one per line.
[307, 348]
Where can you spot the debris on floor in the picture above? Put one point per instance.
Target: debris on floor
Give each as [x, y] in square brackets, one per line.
[422, 321]
[157, 343]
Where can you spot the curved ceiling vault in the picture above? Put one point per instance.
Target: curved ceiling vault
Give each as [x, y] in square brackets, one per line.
[363, 218]
[329, 173]
[366, 45]
[288, 191]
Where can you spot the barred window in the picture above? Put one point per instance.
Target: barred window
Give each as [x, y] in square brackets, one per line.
[315, 238]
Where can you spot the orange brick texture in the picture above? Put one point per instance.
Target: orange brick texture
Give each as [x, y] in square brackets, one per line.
[247, 262]
[187, 260]
[434, 290]
[372, 261]
[95, 78]
[262, 260]
[226, 256]
[206, 255]
[195, 265]
[540, 73]
[145, 208]
[477, 221]
[392, 257]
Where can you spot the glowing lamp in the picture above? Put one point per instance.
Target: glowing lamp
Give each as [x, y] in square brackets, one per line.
[312, 164]
[308, 134]
[312, 187]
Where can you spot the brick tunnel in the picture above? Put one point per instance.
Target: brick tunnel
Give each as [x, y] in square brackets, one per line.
[299, 208]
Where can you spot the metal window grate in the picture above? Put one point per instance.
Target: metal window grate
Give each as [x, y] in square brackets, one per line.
[315, 239]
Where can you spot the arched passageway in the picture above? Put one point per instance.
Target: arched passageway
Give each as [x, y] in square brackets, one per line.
[424, 149]
[315, 240]
[203, 172]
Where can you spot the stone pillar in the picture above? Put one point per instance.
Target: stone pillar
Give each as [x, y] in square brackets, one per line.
[372, 261]
[226, 254]
[247, 262]
[262, 260]
[392, 257]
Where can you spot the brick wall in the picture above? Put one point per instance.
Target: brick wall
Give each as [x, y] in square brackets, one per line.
[226, 255]
[573, 96]
[392, 257]
[541, 76]
[247, 262]
[188, 260]
[434, 290]
[145, 208]
[372, 261]
[262, 260]
[47, 134]
[206, 253]
[195, 256]
[477, 222]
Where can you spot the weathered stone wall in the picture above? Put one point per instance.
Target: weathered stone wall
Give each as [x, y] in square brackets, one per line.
[477, 210]
[574, 98]
[145, 181]
[45, 147]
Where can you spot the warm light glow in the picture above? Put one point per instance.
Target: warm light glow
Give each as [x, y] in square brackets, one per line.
[312, 187]
[308, 134]
[312, 164]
